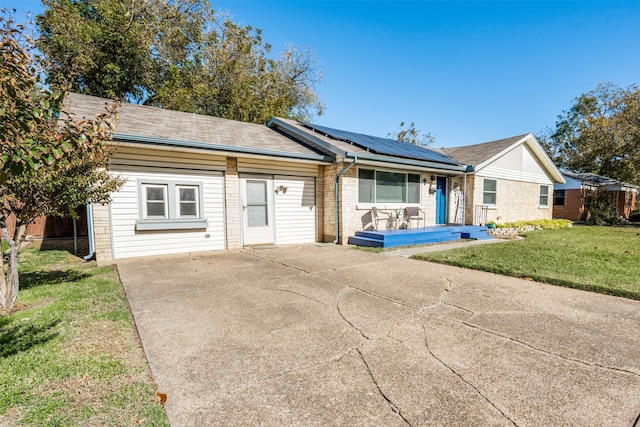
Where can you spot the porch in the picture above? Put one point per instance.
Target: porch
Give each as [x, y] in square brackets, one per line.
[418, 236]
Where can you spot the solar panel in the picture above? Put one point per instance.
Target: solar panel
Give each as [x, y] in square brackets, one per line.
[383, 145]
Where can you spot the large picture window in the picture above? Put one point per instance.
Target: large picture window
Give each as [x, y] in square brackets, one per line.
[490, 192]
[388, 187]
[166, 205]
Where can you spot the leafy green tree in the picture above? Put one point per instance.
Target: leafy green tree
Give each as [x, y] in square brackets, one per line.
[600, 133]
[412, 135]
[49, 163]
[177, 54]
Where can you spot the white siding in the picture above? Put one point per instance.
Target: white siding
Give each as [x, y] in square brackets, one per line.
[127, 242]
[131, 155]
[518, 164]
[270, 167]
[295, 210]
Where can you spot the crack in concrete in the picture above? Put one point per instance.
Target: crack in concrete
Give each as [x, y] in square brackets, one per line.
[296, 293]
[568, 359]
[636, 423]
[426, 343]
[375, 295]
[344, 317]
[471, 313]
[392, 405]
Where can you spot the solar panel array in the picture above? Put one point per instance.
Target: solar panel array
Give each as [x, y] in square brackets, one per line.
[384, 146]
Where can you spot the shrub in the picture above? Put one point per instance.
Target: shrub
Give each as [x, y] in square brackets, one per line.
[538, 224]
[600, 208]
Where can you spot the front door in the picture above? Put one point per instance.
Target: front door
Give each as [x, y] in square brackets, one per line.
[257, 210]
[441, 200]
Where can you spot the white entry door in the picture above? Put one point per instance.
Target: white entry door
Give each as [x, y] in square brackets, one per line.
[257, 210]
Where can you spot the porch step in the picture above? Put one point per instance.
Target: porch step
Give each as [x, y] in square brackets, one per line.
[417, 236]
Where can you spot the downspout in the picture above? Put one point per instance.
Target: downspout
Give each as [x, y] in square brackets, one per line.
[349, 166]
[464, 201]
[90, 235]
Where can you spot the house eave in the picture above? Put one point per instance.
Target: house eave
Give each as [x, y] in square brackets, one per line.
[220, 149]
[375, 159]
[305, 137]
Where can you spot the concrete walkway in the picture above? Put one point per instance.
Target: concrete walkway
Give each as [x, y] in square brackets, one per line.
[325, 335]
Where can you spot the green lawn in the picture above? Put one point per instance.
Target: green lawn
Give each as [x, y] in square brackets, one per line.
[599, 259]
[69, 352]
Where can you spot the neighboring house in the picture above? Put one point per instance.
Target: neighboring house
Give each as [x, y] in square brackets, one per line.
[513, 179]
[200, 183]
[568, 198]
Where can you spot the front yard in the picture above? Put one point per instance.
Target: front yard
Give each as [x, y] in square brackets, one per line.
[599, 259]
[69, 352]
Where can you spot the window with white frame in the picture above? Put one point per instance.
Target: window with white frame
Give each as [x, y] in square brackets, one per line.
[489, 192]
[169, 205]
[544, 195]
[187, 199]
[155, 204]
[376, 186]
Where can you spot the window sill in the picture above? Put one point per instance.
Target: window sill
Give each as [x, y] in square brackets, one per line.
[171, 224]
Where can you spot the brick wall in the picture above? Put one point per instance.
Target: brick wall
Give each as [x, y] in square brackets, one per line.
[515, 200]
[102, 234]
[572, 208]
[356, 218]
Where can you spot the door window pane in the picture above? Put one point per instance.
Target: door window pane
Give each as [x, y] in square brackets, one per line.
[257, 212]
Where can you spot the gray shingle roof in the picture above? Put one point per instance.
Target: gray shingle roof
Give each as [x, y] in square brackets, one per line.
[479, 153]
[160, 125]
[597, 180]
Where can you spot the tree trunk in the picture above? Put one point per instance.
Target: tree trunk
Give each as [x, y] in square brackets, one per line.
[9, 280]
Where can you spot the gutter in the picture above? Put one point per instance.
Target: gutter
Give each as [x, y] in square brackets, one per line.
[346, 168]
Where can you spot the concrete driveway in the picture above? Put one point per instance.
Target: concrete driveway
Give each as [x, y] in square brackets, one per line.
[327, 335]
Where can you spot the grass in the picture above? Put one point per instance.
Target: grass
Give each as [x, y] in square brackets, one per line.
[69, 352]
[598, 259]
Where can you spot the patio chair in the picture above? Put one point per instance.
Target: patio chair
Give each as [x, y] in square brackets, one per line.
[377, 215]
[413, 213]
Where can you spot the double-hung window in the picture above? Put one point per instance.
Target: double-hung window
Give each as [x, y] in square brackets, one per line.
[489, 192]
[376, 186]
[155, 204]
[167, 205]
[558, 197]
[544, 195]
[187, 199]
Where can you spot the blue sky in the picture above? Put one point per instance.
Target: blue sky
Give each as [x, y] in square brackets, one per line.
[467, 72]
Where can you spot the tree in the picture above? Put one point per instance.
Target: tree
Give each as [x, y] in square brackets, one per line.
[600, 134]
[177, 54]
[412, 135]
[49, 163]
